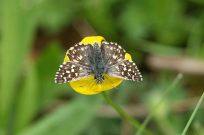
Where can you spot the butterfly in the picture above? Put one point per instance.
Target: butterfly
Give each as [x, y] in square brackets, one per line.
[95, 65]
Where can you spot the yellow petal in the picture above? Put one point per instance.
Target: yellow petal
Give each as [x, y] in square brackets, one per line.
[88, 85]
[128, 57]
[93, 39]
[66, 58]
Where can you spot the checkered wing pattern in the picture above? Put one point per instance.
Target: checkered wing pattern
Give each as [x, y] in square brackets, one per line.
[70, 71]
[126, 70]
[116, 65]
[81, 54]
[79, 65]
[112, 53]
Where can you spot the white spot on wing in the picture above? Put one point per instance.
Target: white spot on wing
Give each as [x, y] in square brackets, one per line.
[80, 57]
[71, 48]
[114, 56]
[67, 72]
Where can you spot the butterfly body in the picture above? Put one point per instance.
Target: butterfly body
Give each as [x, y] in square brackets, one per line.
[95, 65]
[98, 65]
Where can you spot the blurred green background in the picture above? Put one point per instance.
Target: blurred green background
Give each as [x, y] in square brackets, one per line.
[164, 37]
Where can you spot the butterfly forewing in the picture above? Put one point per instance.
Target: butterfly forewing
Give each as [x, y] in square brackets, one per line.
[81, 54]
[115, 63]
[70, 71]
[112, 53]
[126, 70]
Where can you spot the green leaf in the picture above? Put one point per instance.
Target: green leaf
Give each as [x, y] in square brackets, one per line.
[27, 100]
[17, 30]
[70, 119]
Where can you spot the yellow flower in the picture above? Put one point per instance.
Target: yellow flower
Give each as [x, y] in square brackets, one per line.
[88, 84]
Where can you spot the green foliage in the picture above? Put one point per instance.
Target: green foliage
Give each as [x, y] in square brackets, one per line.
[161, 16]
[53, 15]
[70, 118]
[15, 44]
[51, 57]
[27, 100]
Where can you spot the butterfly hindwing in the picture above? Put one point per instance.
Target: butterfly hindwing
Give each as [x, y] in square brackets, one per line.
[126, 70]
[69, 71]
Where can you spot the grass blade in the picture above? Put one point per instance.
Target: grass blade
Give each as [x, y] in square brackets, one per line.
[193, 115]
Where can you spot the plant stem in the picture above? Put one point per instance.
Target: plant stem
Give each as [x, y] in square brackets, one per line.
[193, 115]
[123, 114]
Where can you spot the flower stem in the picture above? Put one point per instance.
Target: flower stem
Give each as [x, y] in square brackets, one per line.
[123, 114]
